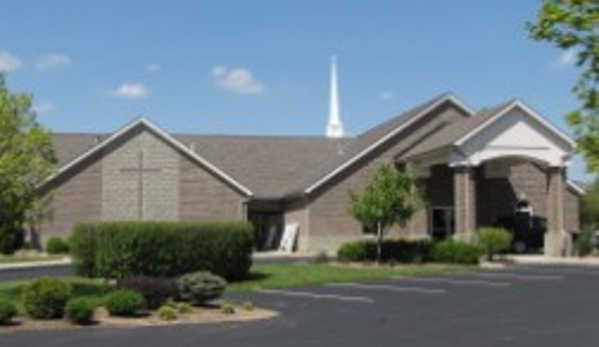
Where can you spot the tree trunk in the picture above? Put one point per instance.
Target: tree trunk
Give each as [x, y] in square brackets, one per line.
[379, 242]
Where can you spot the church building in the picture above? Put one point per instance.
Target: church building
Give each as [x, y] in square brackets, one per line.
[473, 166]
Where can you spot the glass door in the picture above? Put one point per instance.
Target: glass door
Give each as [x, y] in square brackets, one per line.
[442, 222]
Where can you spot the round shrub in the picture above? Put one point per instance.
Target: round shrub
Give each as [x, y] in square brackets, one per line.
[156, 290]
[455, 252]
[200, 287]
[183, 308]
[357, 251]
[80, 311]
[167, 313]
[7, 311]
[46, 298]
[493, 241]
[57, 245]
[584, 243]
[124, 303]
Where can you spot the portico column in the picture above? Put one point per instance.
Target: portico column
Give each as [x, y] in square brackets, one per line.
[557, 241]
[464, 193]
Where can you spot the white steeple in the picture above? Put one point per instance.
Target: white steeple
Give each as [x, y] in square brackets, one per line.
[335, 127]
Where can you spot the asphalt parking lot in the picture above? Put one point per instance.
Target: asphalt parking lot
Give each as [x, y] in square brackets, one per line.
[522, 306]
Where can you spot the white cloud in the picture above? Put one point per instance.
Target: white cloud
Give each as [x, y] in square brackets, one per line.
[43, 108]
[237, 80]
[386, 95]
[153, 67]
[9, 62]
[567, 58]
[131, 91]
[51, 60]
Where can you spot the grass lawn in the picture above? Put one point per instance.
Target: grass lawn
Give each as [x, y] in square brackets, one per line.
[25, 258]
[263, 276]
[293, 275]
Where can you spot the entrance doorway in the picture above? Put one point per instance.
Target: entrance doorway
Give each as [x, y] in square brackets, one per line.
[442, 222]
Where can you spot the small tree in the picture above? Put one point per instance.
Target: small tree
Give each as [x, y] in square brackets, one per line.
[390, 198]
[26, 159]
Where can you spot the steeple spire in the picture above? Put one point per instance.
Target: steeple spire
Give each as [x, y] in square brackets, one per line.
[335, 127]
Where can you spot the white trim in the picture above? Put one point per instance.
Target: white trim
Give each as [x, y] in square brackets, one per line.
[577, 188]
[165, 136]
[526, 110]
[385, 138]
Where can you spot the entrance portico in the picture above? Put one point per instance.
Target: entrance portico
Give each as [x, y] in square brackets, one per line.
[485, 162]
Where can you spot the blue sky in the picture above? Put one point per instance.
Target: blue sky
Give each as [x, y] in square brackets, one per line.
[262, 66]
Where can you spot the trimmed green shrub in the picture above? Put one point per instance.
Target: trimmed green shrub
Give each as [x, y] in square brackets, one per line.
[156, 290]
[494, 241]
[163, 249]
[46, 298]
[124, 303]
[167, 313]
[401, 251]
[456, 252]
[584, 243]
[200, 287]
[7, 311]
[57, 245]
[183, 308]
[227, 308]
[80, 311]
[11, 238]
[83, 250]
[321, 258]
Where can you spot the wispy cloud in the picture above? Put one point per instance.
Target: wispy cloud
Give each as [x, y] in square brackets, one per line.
[9, 62]
[52, 60]
[43, 108]
[131, 91]
[386, 95]
[567, 58]
[152, 67]
[237, 80]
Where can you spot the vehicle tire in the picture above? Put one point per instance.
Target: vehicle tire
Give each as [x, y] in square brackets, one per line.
[520, 247]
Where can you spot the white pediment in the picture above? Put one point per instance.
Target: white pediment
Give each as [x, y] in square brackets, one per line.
[515, 133]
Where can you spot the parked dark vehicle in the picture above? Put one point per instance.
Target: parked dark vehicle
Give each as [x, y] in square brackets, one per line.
[529, 231]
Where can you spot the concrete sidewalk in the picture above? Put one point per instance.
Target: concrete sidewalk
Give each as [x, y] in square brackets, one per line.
[545, 260]
[35, 264]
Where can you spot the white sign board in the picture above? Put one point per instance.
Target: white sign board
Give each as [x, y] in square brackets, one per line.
[289, 236]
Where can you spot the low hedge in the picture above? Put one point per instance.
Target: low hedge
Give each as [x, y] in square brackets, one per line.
[57, 245]
[162, 249]
[456, 252]
[46, 298]
[401, 251]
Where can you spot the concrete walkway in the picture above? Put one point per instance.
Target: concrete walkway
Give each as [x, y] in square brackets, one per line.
[35, 264]
[545, 260]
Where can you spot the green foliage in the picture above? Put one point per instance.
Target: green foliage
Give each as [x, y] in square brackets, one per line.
[7, 311]
[57, 245]
[80, 311]
[321, 258]
[390, 198]
[451, 251]
[395, 251]
[162, 249]
[200, 287]
[227, 308]
[573, 25]
[248, 305]
[584, 243]
[183, 308]
[124, 303]
[156, 290]
[494, 241]
[46, 298]
[589, 207]
[167, 313]
[26, 159]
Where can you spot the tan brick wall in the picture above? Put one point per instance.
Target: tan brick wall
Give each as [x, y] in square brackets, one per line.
[158, 196]
[572, 213]
[77, 197]
[330, 224]
[299, 212]
[464, 202]
[203, 196]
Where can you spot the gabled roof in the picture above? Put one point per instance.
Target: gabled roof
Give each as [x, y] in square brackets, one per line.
[458, 132]
[374, 138]
[103, 141]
